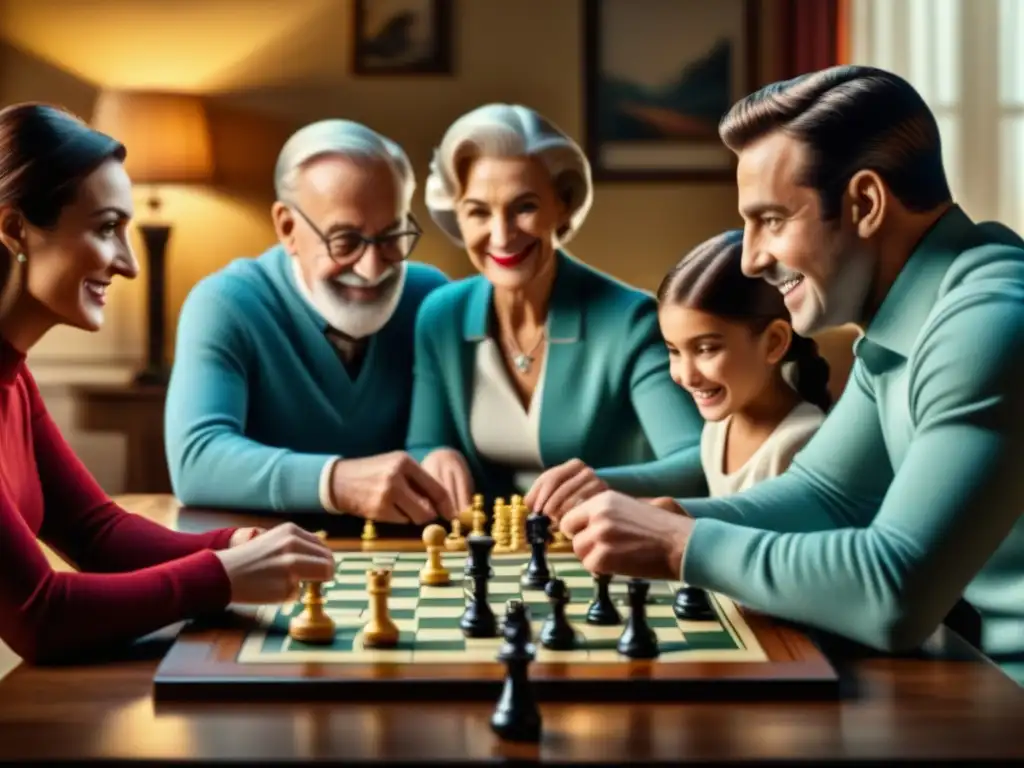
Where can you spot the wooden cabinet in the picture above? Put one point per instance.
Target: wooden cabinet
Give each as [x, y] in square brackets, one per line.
[137, 412]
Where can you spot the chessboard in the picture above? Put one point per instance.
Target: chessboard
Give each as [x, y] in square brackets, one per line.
[401, 621]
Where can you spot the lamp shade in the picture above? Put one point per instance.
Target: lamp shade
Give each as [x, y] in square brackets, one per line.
[167, 135]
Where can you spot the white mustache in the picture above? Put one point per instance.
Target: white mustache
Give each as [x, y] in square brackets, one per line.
[353, 280]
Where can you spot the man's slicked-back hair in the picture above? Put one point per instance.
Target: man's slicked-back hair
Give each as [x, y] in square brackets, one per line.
[851, 118]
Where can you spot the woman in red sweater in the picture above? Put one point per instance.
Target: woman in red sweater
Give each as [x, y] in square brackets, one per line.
[65, 204]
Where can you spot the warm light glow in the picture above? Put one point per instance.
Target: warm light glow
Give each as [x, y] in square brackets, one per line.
[132, 730]
[167, 135]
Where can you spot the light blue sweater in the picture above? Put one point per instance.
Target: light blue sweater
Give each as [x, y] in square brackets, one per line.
[259, 400]
[910, 494]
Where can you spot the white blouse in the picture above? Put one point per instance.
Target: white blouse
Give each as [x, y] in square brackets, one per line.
[502, 430]
[772, 457]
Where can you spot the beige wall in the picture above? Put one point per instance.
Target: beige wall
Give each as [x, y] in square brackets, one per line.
[289, 61]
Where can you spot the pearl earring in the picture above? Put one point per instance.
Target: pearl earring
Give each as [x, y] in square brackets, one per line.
[22, 258]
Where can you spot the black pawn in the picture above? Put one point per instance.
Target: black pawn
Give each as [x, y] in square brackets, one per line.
[602, 610]
[478, 619]
[557, 633]
[638, 640]
[538, 533]
[516, 716]
[693, 604]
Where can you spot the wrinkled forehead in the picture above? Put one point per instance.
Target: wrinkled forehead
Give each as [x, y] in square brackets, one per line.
[360, 192]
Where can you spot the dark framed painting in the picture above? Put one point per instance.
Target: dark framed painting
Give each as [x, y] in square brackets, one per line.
[403, 37]
[658, 76]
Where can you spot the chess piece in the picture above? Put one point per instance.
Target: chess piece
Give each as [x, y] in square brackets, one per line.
[455, 541]
[478, 619]
[516, 716]
[517, 533]
[434, 574]
[469, 515]
[500, 526]
[560, 543]
[693, 604]
[638, 640]
[380, 631]
[538, 532]
[479, 520]
[602, 610]
[313, 625]
[556, 632]
[369, 532]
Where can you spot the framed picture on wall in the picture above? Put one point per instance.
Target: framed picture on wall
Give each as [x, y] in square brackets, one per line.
[658, 76]
[402, 37]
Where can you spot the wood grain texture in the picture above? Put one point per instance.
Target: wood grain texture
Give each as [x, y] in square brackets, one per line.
[945, 703]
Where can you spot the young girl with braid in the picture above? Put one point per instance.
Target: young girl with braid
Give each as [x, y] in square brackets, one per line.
[761, 388]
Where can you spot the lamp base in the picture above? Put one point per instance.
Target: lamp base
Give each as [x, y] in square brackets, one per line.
[157, 371]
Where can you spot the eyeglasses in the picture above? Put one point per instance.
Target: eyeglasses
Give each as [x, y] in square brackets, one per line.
[346, 248]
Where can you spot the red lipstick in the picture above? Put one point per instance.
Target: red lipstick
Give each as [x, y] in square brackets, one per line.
[514, 259]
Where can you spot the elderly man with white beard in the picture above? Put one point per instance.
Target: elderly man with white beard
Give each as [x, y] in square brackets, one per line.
[292, 379]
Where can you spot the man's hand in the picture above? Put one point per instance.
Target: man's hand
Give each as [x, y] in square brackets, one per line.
[450, 469]
[616, 534]
[561, 488]
[389, 488]
[667, 503]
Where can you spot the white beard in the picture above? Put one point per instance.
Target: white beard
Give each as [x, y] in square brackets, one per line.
[357, 319]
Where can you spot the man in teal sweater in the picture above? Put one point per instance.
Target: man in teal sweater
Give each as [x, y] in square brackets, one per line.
[910, 495]
[293, 371]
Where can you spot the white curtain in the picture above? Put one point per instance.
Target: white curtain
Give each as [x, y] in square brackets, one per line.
[966, 59]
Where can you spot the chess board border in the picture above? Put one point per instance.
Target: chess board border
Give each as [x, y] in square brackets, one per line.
[203, 664]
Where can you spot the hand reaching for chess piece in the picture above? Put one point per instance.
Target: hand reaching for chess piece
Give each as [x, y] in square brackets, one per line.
[270, 567]
[562, 487]
[450, 469]
[667, 503]
[389, 488]
[615, 533]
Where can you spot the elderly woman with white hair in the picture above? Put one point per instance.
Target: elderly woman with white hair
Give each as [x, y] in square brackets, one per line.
[540, 375]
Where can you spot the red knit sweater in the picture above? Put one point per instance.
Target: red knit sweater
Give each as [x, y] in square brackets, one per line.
[134, 576]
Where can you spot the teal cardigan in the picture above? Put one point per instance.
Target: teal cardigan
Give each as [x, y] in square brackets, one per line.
[608, 398]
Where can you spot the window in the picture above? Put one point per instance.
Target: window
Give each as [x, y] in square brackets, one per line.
[963, 57]
[1011, 113]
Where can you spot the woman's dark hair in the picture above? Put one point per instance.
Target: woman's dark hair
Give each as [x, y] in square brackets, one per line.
[710, 279]
[45, 154]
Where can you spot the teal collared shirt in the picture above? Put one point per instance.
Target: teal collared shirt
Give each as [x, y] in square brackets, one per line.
[607, 398]
[910, 494]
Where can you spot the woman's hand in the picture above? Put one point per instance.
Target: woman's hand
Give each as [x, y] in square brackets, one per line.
[449, 468]
[561, 488]
[243, 535]
[270, 567]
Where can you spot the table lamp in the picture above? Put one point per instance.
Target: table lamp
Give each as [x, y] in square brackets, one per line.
[168, 141]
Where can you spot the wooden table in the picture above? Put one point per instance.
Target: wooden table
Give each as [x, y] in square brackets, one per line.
[947, 703]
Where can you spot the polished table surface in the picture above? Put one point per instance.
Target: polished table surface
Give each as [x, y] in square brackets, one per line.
[946, 703]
